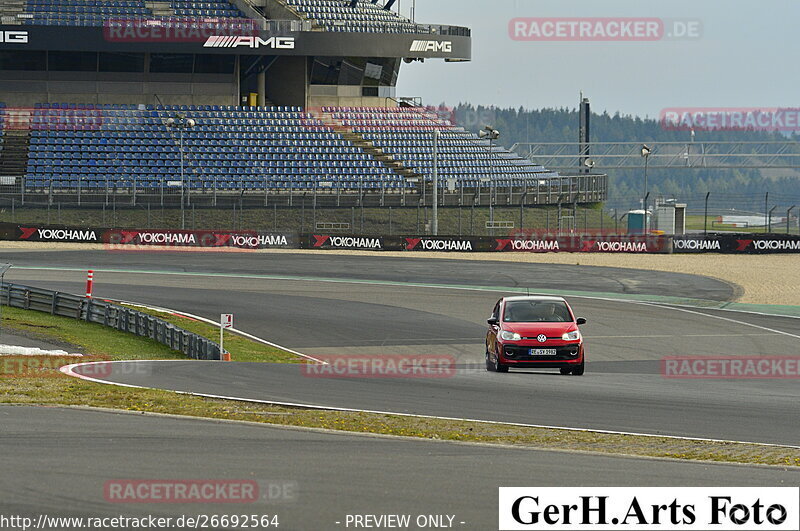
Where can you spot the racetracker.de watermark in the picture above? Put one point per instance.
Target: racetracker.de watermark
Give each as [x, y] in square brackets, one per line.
[603, 29]
[176, 29]
[381, 366]
[730, 119]
[731, 367]
[35, 366]
[199, 491]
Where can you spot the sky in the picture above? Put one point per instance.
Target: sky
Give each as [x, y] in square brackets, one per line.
[745, 57]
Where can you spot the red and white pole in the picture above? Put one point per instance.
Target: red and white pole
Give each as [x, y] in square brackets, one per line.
[89, 283]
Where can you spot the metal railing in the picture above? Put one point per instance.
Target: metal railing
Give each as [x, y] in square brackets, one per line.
[111, 315]
[209, 24]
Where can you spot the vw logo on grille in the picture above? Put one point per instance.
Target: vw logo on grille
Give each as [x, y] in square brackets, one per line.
[542, 338]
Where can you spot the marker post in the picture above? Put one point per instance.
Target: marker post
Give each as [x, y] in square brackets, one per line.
[89, 283]
[225, 321]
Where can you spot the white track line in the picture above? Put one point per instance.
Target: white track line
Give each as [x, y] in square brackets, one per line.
[68, 369]
[677, 309]
[234, 330]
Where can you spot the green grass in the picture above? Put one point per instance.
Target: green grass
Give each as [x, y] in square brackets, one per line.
[90, 339]
[48, 386]
[240, 347]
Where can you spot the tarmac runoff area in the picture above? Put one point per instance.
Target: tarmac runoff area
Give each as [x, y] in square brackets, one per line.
[412, 307]
[66, 460]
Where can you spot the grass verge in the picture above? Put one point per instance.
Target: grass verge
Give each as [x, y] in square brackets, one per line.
[240, 347]
[50, 387]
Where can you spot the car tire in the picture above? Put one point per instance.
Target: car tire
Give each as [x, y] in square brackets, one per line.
[578, 370]
[489, 366]
[565, 370]
[499, 367]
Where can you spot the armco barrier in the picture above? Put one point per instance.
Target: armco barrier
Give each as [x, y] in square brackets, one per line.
[111, 315]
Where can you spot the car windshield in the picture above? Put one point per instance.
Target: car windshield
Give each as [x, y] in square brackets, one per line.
[533, 311]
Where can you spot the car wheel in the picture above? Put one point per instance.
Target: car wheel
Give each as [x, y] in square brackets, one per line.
[578, 371]
[565, 370]
[499, 367]
[489, 365]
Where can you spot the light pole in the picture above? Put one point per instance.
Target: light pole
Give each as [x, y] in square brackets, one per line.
[492, 134]
[435, 209]
[646, 154]
[769, 218]
[3, 269]
[180, 122]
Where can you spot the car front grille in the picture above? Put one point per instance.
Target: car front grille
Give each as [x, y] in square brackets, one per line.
[515, 352]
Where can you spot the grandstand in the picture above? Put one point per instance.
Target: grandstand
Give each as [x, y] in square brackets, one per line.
[333, 15]
[98, 13]
[87, 109]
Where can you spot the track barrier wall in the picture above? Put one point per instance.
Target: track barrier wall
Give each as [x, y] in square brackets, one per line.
[516, 241]
[111, 315]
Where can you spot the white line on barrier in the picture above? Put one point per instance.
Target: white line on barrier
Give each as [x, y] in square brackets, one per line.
[69, 370]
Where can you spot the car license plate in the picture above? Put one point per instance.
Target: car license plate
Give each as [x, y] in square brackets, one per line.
[543, 352]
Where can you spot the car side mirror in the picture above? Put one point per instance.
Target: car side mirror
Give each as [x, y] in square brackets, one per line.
[580, 320]
[492, 321]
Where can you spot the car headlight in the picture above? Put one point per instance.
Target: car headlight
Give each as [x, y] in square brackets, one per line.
[510, 336]
[575, 335]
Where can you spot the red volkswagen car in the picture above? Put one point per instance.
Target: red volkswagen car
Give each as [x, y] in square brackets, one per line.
[534, 332]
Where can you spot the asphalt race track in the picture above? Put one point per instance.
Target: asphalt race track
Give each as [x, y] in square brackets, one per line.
[327, 304]
[622, 390]
[76, 452]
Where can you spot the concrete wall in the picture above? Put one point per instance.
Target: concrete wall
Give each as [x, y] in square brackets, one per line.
[286, 81]
[20, 88]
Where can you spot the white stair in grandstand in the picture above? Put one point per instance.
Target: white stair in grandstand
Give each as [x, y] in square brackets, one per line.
[315, 26]
[365, 145]
[160, 9]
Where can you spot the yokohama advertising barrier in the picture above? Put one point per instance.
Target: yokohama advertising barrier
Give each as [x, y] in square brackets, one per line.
[520, 241]
[122, 238]
[446, 243]
[534, 242]
[523, 242]
[737, 243]
[199, 238]
[358, 243]
[34, 233]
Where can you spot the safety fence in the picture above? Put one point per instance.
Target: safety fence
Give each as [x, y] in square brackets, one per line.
[111, 315]
[515, 240]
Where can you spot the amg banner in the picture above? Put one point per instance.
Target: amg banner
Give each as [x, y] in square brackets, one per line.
[737, 243]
